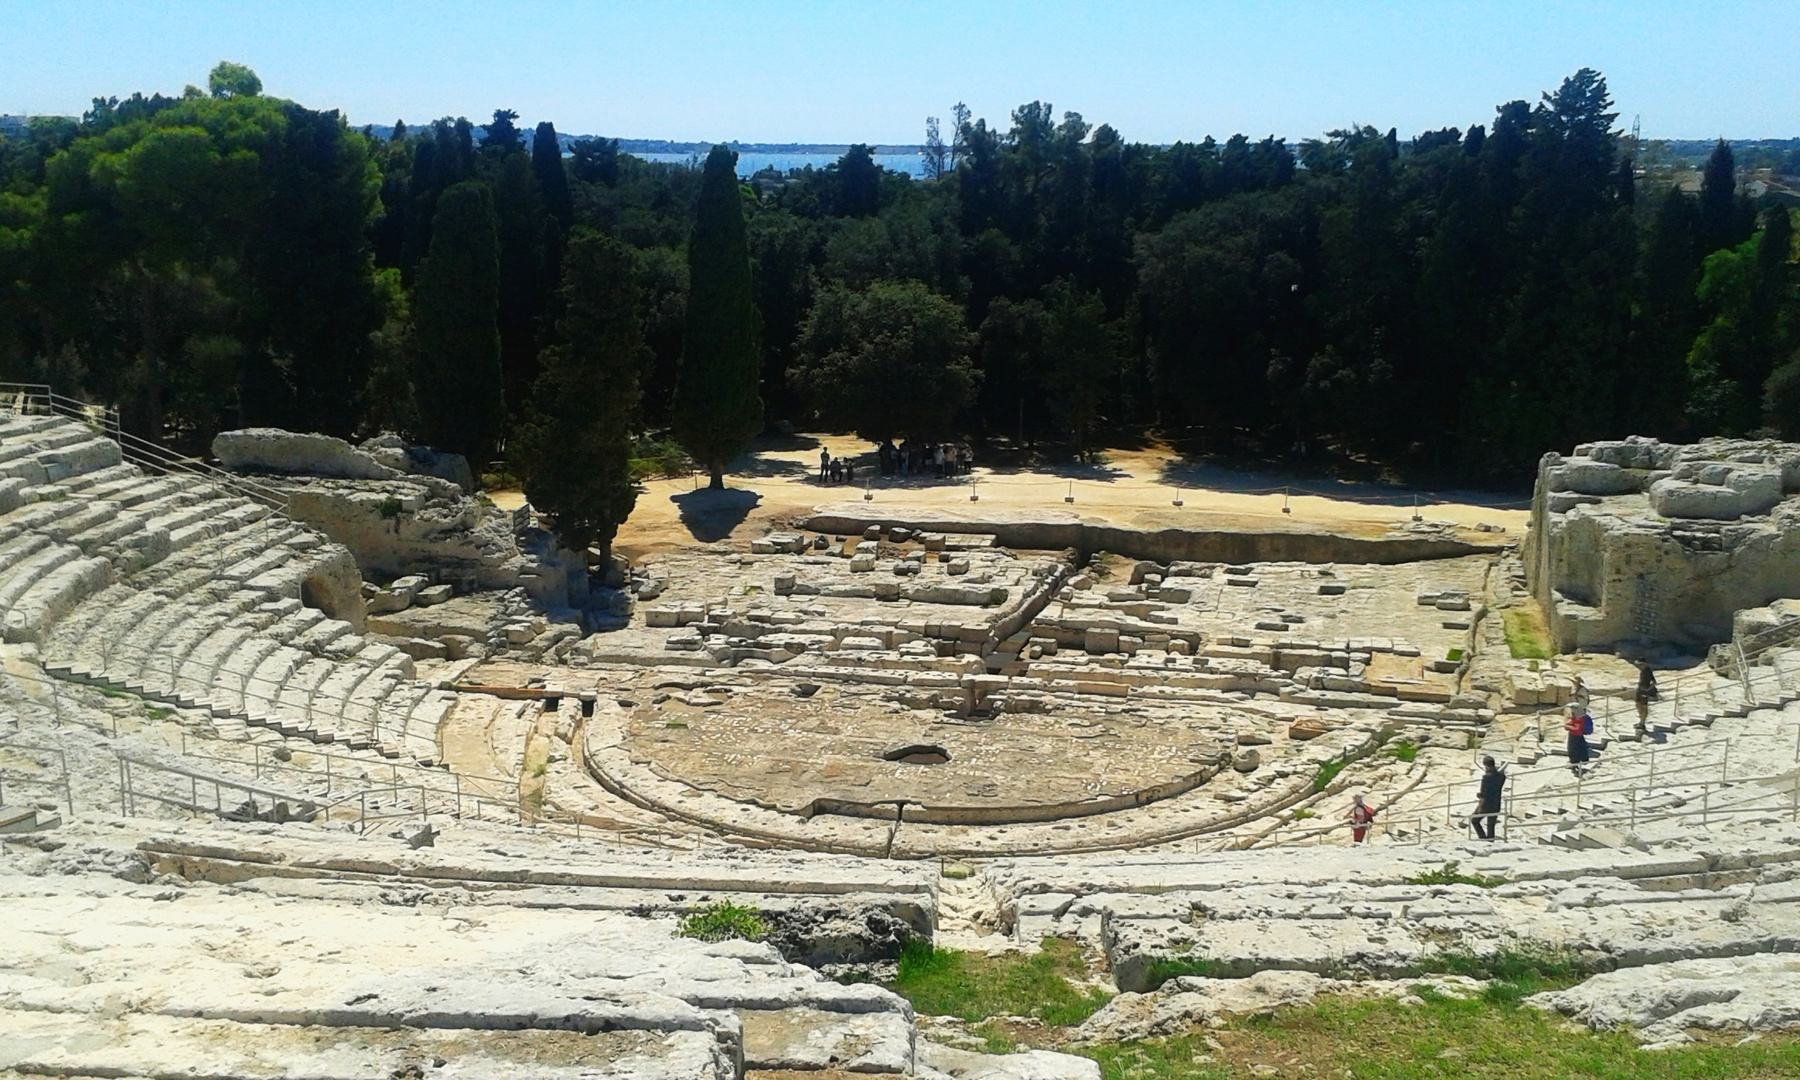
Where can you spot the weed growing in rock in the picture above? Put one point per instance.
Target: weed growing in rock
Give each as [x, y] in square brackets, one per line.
[725, 921]
[1526, 635]
[1448, 874]
[946, 982]
[1163, 969]
[390, 508]
[1528, 966]
[1402, 750]
[1327, 773]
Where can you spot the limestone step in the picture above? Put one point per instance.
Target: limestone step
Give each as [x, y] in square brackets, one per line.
[141, 648]
[164, 671]
[231, 682]
[31, 569]
[262, 694]
[85, 1044]
[32, 615]
[102, 482]
[18, 550]
[292, 714]
[327, 710]
[74, 458]
[40, 517]
[12, 493]
[22, 452]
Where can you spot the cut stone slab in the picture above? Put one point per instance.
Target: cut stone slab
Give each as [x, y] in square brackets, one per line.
[1031, 1065]
[811, 1039]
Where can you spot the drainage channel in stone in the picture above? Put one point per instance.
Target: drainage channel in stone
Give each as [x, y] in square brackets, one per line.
[918, 754]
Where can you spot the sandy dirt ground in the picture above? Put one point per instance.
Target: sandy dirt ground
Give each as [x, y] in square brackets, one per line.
[775, 483]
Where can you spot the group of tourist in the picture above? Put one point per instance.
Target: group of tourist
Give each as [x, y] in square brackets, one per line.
[836, 470]
[925, 459]
[1578, 726]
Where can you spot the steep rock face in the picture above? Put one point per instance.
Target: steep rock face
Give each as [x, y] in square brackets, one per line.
[1643, 541]
[426, 526]
[405, 511]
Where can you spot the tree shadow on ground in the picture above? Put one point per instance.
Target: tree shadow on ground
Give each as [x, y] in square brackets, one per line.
[1067, 468]
[1179, 473]
[711, 515]
[783, 444]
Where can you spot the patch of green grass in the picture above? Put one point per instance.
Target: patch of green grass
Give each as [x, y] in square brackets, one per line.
[1528, 966]
[390, 507]
[116, 695]
[155, 713]
[1163, 969]
[1327, 773]
[724, 921]
[1454, 655]
[1382, 1039]
[1402, 749]
[1526, 635]
[540, 769]
[1303, 814]
[1448, 874]
[972, 986]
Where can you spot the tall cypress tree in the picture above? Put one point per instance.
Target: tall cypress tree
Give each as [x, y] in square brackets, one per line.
[575, 448]
[559, 204]
[553, 183]
[456, 365]
[1718, 200]
[717, 407]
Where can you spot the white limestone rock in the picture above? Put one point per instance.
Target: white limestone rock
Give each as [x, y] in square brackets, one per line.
[1747, 994]
[297, 454]
[937, 1061]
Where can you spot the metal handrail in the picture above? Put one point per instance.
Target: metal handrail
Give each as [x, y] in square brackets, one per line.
[138, 449]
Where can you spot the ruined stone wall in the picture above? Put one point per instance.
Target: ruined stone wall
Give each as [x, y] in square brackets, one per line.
[1639, 542]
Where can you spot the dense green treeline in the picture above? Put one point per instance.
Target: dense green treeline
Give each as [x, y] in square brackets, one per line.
[1461, 301]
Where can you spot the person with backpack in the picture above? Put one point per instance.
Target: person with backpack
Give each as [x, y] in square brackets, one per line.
[1487, 802]
[1578, 727]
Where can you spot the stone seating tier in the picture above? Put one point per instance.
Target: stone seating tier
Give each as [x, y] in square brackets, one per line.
[173, 588]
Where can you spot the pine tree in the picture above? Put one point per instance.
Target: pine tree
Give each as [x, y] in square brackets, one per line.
[575, 448]
[717, 408]
[456, 372]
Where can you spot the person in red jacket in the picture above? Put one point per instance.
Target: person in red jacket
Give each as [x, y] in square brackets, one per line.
[1577, 727]
[1360, 814]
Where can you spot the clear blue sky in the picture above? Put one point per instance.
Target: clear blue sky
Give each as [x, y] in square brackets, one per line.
[862, 70]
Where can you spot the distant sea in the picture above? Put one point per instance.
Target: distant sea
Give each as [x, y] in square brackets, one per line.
[750, 162]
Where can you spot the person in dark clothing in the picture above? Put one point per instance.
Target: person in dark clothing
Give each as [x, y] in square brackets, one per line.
[1487, 803]
[1646, 693]
[824, 464]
